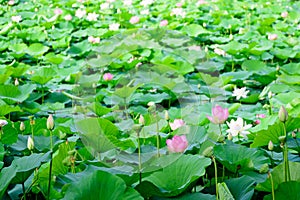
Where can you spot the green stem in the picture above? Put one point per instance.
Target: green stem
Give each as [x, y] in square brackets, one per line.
[223, 173]
[50, 176]
[51, 141]
[220, 127]
[32, 132]
[140, 160]
[126, 113]
[43, 95]
[272, 184]
[157, 134]
[286, 158]
[24, 191]
[1, 132]
[216, 176]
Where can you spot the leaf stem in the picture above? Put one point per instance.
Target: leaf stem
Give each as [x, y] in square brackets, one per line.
[50, 176]
[24, 191]
[216, 176]
[157, 134]
[272, 184]
[140, 160]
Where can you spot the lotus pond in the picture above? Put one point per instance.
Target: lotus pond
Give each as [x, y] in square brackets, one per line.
[149, 99]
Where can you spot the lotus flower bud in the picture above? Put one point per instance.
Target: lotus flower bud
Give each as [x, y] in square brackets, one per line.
[30, 143]
[294, 135]
[22, 126]
[16, 82]
[270, 145]
[142, 120]
[283, 114]
[50, 122]
[208, 152]
[167, 115]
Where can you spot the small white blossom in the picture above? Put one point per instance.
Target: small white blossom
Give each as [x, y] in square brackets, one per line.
[146, 2]
[80, 13]
[238, 127]
[104, 6]
[145, 12]
[178, 12]
[3, 123]
[17, 18]
[127, 2]
[114, 26]
[238, 93]
[92, 16]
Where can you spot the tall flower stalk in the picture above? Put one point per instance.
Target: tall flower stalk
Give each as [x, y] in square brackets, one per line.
[50, 127]
[283, 116]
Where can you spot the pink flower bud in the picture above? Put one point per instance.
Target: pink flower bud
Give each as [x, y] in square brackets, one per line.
[177, 144]
[134, 20]
[107, 76]
[58, 11]
[177, 124]
[272, 36]
[219, 115]
[50, 122]
[179, 4]
[68, 17]
[141, 120]
[283, 114]
[164, 23]
[284, 14]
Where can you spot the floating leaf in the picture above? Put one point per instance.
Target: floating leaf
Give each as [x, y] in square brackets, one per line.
[237, 157]
[174, 178]
[101, 185]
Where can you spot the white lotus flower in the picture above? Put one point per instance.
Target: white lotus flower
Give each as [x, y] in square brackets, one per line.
[238, 127]
[3, 123]
[178, 12]
[92, 16]
[16, 19]
[80, 13]
[238, 93]
[114, 26]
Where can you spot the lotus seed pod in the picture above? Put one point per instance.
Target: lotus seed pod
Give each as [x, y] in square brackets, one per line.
[264, 168]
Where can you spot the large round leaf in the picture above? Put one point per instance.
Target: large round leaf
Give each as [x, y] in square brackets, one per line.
[278, 176]
[235, 156]
[101, 185]
[174, 178]
[287, 190]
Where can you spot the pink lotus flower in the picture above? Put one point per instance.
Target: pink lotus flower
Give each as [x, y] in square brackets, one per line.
[11, 2]
[179, 4]
[164, 23]
[68, 17]
[107, 76]
[177, 124]
[272, 36]
[134, 20]
[94, 40]
[58, 11]
[219, 115]
[16, 19]
[284, 14]
[177, 144]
